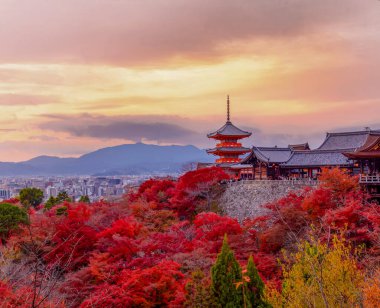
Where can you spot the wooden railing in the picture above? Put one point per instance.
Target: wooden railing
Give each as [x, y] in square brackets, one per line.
[291, 182]
[369, 179]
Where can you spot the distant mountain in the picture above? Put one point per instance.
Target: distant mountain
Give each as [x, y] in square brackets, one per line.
[136, 158]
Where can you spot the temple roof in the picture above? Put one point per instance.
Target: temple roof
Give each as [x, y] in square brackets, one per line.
[347, 141]
[229, 130]
[370, 149]
[317, 158]
[272, 154]
[240, 166]
[299, 147]
[269, 154]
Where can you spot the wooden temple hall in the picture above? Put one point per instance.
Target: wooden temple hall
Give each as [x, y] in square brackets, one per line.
[356, 152]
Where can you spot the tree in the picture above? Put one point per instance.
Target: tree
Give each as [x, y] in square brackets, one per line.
[158, 286]
[372, 291]
[320, 275]
[225, 274]
[31, 197]
[50, 203]
[61, 197]
[198, 293]
[198, 191]
[254, 286]
[84, 199]
[11, 216]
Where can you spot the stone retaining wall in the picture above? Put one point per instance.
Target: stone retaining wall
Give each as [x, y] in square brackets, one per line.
[246, 198]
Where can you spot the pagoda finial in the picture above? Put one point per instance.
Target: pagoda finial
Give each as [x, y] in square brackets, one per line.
[228, 108]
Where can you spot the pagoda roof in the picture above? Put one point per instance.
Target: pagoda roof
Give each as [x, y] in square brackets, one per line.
[229, 149]
[347, 141]
[229, 130]
[317, 158]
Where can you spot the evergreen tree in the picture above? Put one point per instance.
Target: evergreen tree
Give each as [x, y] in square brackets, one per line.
[225, 275]
[85, 199]
[50, 203]
[62, 197]
[11, 216]
[254, 286]
[31, 197]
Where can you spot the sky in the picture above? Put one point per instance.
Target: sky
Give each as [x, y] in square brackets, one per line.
[79, 75]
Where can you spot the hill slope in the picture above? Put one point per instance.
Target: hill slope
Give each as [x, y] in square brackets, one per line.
[136, 158]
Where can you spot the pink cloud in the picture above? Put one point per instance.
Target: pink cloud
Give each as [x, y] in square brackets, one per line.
[130, 32]
[25, 100]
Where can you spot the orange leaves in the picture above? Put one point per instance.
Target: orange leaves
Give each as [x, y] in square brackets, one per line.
[338, 182]
[372, 291]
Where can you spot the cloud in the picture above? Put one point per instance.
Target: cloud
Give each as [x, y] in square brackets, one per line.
[117, 127]
[25, 100]
[141, 32]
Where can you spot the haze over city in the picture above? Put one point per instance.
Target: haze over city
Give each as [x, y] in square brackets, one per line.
[80, 75]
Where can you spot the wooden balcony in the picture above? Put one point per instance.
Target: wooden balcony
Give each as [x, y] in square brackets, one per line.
[369, 179]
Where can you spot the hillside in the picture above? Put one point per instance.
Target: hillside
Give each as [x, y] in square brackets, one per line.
[136, 158]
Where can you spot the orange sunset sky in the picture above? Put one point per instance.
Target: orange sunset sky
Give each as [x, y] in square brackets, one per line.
[78, 75]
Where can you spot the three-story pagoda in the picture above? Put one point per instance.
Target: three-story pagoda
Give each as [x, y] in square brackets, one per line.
[229, 149]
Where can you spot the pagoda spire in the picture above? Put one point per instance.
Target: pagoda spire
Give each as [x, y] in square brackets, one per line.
[228, 149]
[228, 108]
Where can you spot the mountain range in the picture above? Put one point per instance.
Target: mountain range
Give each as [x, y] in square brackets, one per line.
[127, 159]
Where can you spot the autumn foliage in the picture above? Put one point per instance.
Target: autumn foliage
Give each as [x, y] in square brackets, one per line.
[156, 247]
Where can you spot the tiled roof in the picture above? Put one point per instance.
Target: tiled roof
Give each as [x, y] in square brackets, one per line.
[240, 166]
[348, 141]
[272, 154]
[317, 158]
[268, 154]
[229, 130]
[301, 146]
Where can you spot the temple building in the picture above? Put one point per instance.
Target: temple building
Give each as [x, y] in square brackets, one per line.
[356, 152]
[264, 162]
[228, 149]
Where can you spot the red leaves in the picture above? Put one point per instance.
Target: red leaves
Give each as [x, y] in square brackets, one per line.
[195, 189]
[130, 253]
[338, 182]
[318, 202]
[22, 298]
[160, 285]
[153, 190]
[212, 227]
[73, 239]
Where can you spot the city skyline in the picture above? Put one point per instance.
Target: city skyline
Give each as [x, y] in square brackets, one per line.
[78, 76]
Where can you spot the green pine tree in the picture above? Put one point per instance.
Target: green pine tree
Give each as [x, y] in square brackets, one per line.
[85, 199]
[11, 217]
[225, 274]
[50, 203]
[254, 287]
[31, 197]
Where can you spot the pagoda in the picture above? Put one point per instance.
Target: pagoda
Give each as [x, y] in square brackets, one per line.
[228, 149]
